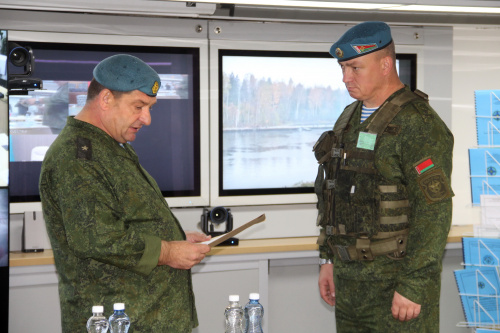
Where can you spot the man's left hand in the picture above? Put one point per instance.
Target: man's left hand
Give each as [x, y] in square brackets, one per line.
[403, 309]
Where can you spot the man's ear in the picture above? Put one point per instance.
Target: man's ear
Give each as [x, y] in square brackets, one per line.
[106, 99]
[387, 64]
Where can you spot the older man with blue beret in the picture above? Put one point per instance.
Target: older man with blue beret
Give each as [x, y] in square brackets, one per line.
[384, 195]
[113, 235]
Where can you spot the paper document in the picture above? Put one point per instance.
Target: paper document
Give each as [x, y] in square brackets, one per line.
[219, 239]
[490, 210]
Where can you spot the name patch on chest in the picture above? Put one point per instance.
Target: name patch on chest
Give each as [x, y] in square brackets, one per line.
[366, 140]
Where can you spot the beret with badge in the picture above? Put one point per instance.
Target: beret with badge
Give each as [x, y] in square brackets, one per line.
[123, 72]
[362, 39]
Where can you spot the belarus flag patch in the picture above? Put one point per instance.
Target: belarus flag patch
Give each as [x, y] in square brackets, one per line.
[424, 166]
[363, 48]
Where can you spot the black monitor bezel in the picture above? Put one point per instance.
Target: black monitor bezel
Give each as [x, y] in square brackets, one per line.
[117, 48]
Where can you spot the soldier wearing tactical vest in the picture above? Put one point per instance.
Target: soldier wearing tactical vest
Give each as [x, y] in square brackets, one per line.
[384, 195]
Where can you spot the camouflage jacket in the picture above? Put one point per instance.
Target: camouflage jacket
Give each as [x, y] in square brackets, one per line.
[415, 139]
[106, 218]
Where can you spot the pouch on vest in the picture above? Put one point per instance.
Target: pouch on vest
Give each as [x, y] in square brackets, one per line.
[323, 147]
[324, 183]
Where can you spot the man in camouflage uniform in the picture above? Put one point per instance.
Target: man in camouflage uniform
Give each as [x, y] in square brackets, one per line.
[384, 195]
[113, 235]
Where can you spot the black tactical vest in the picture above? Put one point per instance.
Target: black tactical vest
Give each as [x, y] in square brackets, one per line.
[354, 200]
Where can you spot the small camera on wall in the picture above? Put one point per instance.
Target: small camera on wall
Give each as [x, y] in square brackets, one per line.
[215, 217]
[20, 81]
[212, 218]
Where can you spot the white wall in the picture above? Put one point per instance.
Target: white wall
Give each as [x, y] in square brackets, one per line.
[476, 66]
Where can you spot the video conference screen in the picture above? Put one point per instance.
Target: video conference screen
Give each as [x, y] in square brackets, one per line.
[273, 107]
[168, 149]
[4, 190]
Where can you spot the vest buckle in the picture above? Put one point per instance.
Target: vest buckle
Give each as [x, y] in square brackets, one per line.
[331, 184]
[343, 252]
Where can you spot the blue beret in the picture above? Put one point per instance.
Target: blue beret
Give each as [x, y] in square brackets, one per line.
[123, 72]
[361, 39]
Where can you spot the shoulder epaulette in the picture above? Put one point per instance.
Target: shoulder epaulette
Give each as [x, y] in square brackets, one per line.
[422, 95]
[83, 149]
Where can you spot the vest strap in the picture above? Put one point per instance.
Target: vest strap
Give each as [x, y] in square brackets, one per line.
[394, 219]
[366, 249]
[388, 188]
[390, 109]
[365, 155]
[389, 234]
[360, 170]
[394, 204]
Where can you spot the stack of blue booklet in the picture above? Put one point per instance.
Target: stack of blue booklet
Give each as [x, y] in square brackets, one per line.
[479, 283]
[485, 159]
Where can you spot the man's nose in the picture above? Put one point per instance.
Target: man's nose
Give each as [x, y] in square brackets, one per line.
[346, 76]
[145, 117]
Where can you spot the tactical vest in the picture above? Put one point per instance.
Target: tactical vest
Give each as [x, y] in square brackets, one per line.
[354, 200]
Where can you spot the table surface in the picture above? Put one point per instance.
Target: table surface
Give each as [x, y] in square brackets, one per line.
[245, 247]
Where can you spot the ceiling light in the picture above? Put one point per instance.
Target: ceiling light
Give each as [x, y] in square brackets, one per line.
[301, 4]
[447, 9]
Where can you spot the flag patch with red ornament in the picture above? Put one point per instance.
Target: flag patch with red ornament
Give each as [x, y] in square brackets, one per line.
[424, 166]
[364, 48]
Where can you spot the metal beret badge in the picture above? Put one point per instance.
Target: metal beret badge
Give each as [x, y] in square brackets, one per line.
[339, 53]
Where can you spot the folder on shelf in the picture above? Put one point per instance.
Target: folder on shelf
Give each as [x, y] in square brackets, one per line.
[484, 172]
[479, 293]
[487, 117]
[484, 252]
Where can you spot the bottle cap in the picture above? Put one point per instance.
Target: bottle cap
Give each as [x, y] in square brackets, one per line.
[234, 298]
[254, 296]
[119, 306]
[97, 309]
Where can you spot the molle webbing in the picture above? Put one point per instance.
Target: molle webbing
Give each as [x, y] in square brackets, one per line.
[366, 155]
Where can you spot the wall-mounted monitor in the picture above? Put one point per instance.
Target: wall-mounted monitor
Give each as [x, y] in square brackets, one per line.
[169, 149]
[3, 57]
[4, 191]
[273, 106]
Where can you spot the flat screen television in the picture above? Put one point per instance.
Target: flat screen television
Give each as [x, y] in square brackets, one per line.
[4, 190]
[3, 57]
[169, 149]
[273, 106]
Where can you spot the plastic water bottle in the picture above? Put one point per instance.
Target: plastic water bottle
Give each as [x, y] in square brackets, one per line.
[97, 323]
[234, 315]
[254, 311]
[119, 322]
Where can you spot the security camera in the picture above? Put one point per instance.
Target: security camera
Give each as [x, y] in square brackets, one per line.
[20, 56]
[216, 216]
[21, 81]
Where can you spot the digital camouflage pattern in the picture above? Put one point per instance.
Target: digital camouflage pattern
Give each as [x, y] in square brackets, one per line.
[368, 309]
[106, 217]
[415, 134]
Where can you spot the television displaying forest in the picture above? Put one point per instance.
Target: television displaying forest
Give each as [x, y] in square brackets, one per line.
[273, 108]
